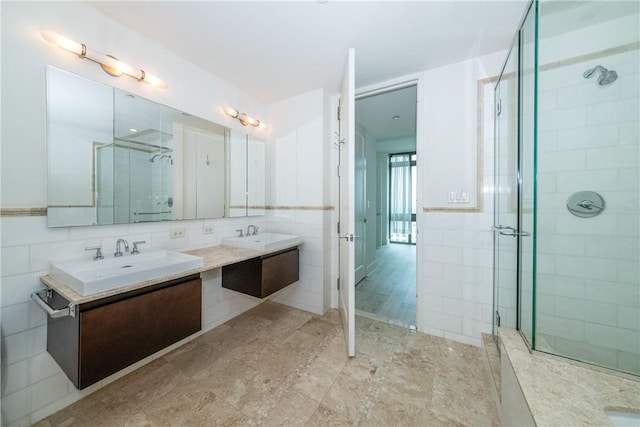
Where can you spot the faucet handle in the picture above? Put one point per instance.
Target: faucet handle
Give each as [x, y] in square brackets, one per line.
[240, 231]
[135, 246]
[98, 250]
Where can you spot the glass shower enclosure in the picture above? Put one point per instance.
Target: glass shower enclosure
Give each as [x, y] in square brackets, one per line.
[567, 184]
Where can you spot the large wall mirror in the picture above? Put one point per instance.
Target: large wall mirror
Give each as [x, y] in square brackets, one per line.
[117, 158]
[246, 175]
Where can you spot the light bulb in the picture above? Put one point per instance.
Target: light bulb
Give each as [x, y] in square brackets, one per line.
[231, 112]
[153, 80]
[249, 120]
[63, 42]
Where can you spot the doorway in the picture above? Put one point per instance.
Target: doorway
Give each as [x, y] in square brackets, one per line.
[386, 177]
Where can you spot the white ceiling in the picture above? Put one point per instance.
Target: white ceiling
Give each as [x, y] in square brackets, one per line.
[277, 49]
[390, 115]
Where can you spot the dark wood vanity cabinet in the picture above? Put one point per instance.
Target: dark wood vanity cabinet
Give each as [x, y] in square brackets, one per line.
[115, 332]
[262, 276]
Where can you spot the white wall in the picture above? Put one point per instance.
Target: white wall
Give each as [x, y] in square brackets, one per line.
[457, 256]
[450, 128]
[33, 386]
[295, 162]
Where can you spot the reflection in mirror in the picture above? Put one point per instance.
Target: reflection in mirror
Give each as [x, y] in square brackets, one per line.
[237, 174]
[79, 123]
[199, 181]
[142, 160]
[117, 158]
[255, 176]
[246, 175]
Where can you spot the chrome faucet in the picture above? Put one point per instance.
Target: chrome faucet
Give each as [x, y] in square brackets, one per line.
[118, 251]
[255, 230]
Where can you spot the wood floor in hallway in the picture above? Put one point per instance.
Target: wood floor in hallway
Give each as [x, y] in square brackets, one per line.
[389, 293]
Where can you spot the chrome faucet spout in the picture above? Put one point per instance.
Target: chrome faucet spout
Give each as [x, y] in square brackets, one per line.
[118, 251]
[252, 227]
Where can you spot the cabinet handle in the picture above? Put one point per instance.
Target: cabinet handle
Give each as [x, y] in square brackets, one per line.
[37, 297]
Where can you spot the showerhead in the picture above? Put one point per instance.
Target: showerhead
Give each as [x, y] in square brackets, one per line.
[606, 77]
[152, 159]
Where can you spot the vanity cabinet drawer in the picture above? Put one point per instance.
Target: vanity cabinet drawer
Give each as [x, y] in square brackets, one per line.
[106, 338]
[261, 277]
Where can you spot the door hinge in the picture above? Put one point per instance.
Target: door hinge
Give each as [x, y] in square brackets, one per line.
[338, 227]
[338, 171]
[497, 319]
[338, 283]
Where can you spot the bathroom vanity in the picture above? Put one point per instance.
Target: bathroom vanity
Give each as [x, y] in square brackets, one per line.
[111, 333]
[94, 336]
[263, 276]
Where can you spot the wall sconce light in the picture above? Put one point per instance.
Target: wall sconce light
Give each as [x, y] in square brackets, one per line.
[109, 64]
[243, 118]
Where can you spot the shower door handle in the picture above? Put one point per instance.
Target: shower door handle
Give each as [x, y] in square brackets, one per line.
[505, 230]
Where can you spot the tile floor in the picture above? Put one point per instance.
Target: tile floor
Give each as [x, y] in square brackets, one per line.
[275, 365]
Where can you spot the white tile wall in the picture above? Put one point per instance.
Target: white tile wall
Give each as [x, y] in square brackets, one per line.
[588, 270]
[457, 272]
[33, 384]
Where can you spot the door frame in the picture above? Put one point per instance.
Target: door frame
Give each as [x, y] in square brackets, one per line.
[388, 86]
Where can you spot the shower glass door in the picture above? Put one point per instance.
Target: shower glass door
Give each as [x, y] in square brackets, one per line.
[514, 258]
[505, 199]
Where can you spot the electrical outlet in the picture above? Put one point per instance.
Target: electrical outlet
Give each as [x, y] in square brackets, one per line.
[177, 233]
[208, 229]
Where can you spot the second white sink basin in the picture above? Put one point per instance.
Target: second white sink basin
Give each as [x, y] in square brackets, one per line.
[262, 242]
[88, 277]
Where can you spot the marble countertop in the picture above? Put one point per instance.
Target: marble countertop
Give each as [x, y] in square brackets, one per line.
[561, 393]
[212, 256]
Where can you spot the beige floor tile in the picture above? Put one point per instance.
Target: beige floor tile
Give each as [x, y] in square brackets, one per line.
[326, 417]
[351, 391]
[196, 405]
[292, 409]
[276, 365]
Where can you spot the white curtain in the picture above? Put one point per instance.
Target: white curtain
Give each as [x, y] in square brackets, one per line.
[400, 194]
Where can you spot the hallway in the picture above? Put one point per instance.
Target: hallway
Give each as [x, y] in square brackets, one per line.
[389, 293]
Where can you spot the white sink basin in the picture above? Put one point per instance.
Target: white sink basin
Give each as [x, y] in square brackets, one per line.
[262, 242]
[88, 277]
[620, 418]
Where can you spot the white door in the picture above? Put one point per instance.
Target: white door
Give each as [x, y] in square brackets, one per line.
[346, 211]
[360, 207]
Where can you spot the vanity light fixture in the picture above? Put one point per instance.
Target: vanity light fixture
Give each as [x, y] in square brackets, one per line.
[109, 64]
[243, 118]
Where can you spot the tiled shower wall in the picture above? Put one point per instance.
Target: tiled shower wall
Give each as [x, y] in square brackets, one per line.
[588, 269]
